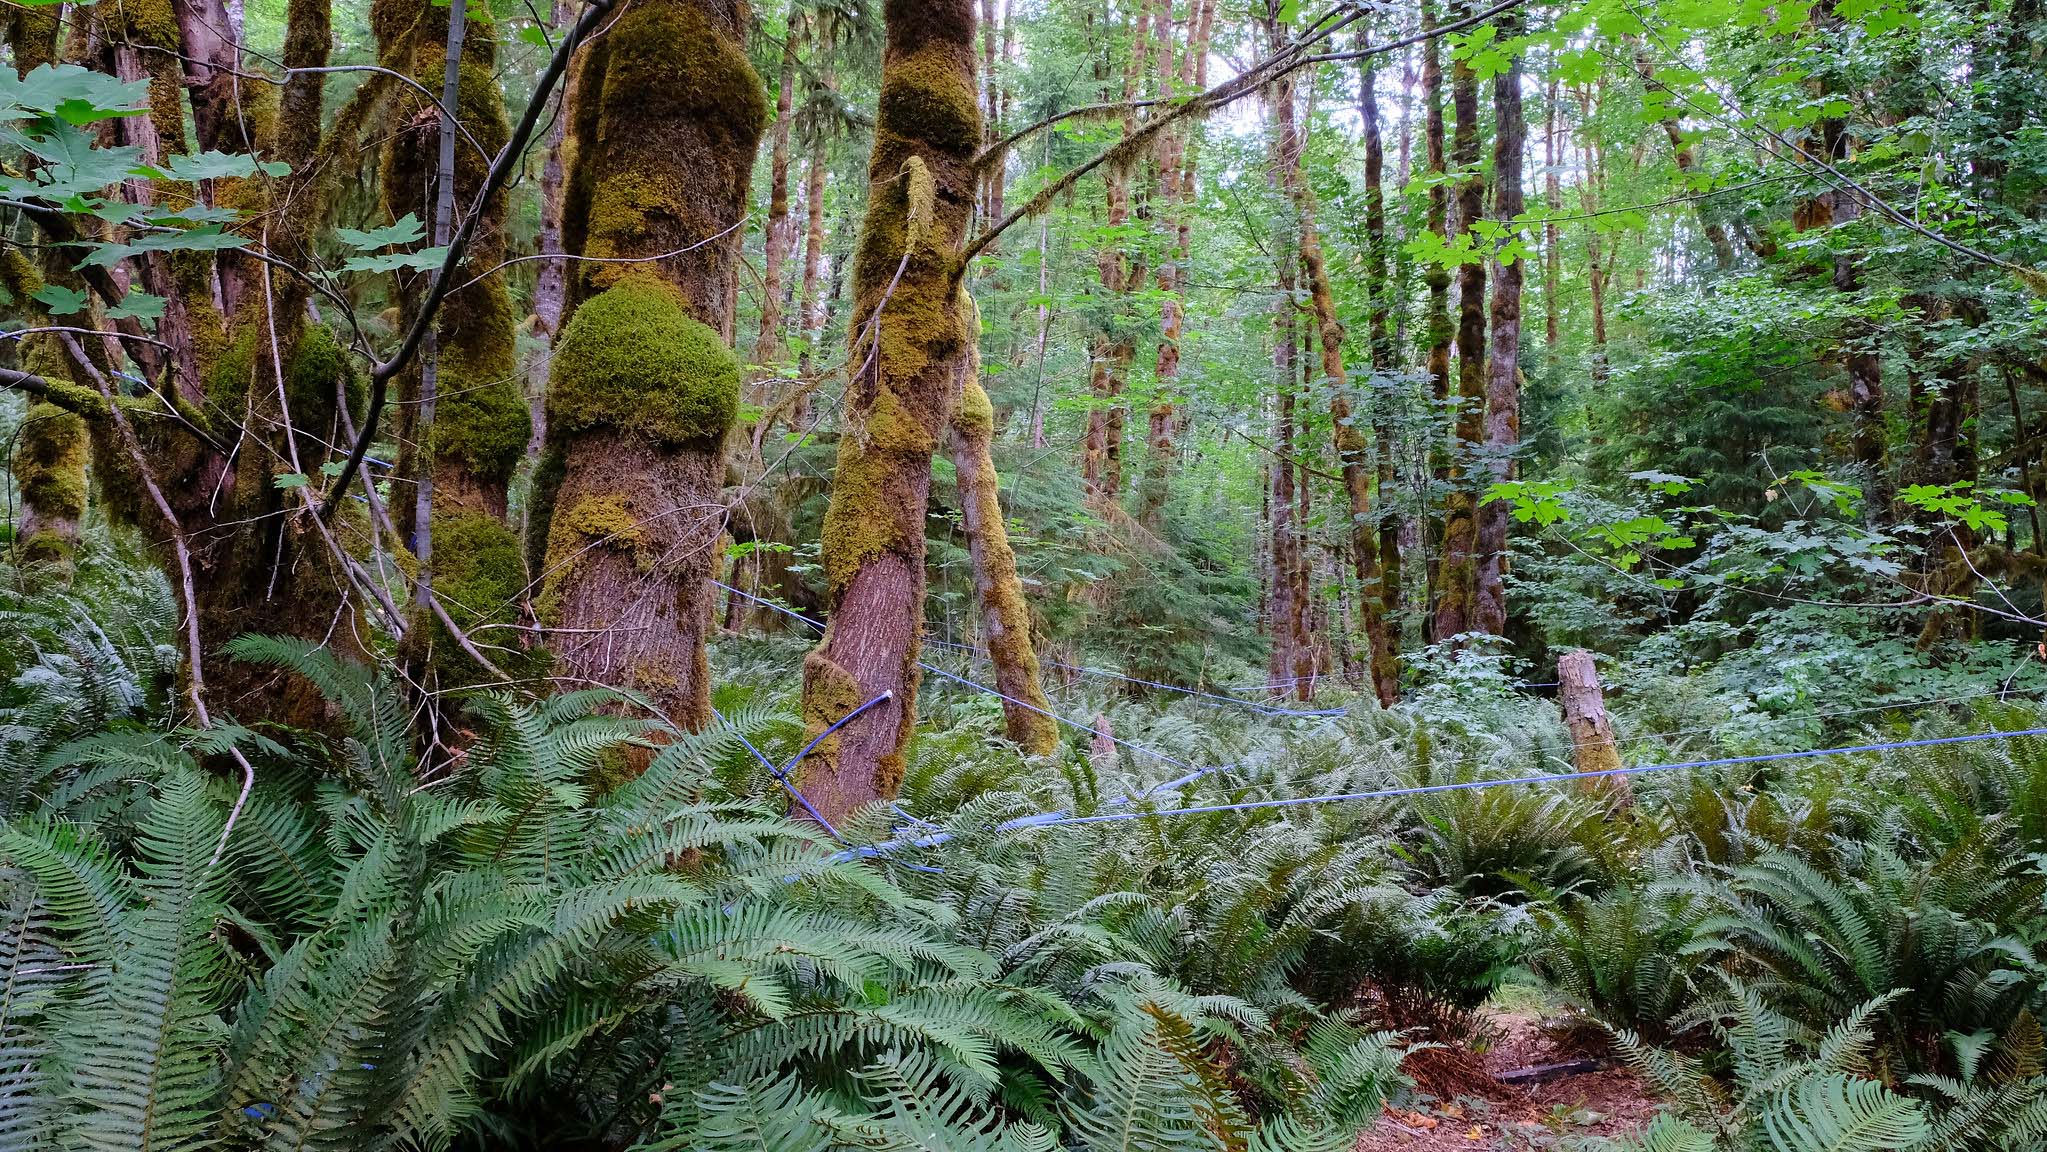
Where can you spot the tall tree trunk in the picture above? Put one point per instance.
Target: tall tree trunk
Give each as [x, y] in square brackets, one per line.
[1379, 593]
[1456, 607]
[1290, 649]
[1595, 270]
[907, 348]
[645, 382]
[1552, 256]
[1005, 618]
[814, 309]
[551, 283]
[1437, 279]
[767, 346]
[1175, 210]
[1122, 271]
[480, 425]
[1503, 368]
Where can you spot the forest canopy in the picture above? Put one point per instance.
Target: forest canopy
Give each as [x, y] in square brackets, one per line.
[1232, 574]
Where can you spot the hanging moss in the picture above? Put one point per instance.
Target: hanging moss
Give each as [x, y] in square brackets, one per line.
[634, 360]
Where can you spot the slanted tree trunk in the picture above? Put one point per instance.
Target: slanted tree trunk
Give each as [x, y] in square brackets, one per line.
[1503, 367]
[1456, 607]
[645, 383]
[767, 344]
[907, 347]
[1682, 152]
[1005, 618]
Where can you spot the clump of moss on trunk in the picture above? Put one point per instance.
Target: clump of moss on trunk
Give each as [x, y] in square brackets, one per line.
[479, 576]
[51, 454]
[589, 523]
[634, 360]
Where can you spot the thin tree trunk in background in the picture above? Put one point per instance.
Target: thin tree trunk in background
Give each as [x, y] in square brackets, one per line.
[767, 345]
[1289, 611]
[1044, 327]
[1005, 617]
[813, 309]
[905, 363]
[1378, 582]
[1595, 271]
[1503, 368]
[1122, 270]
[1437, 279]
[1552, 257]
[1686, 158]
[1458, 577]
[646, 382]
[1176, 209]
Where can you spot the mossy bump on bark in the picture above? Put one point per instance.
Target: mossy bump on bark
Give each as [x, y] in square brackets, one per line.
[589, 523]
[51, 455]
[634, 360]
[481, 417]
[479, 575]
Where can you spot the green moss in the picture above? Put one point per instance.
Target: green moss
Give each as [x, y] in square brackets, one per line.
[50, 458]
[868, 515]
[149, 22]
[929, 96]
[478, 572]
[481, 417]
[231, 374]
[593, 521]
[634, 360]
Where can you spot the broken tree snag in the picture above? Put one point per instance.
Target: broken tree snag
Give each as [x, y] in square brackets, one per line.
[644, 382]
[1592, 744]
[908, 345]
[1005, 618]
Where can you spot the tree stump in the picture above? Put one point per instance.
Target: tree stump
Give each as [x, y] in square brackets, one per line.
[1592, 744]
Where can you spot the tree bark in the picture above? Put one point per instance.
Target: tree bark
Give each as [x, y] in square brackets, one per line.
[1456, 607]
[907, 348]
[645, 383]
[1122, 271]
[1592, 743]
[1437, 279]
[1503, 367]
[1379, 598]
[479, 425]
[767, 345]
[1005, 617]
[1175, 186]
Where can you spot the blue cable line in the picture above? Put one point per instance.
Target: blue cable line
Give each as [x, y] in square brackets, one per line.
[780, 776]
[1060, 819]
[1267, 709]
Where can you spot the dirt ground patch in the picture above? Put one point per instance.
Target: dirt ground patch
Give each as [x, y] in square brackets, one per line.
[1472, 1109]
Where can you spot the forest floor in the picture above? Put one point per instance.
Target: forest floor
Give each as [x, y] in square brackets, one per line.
[1471, 1108]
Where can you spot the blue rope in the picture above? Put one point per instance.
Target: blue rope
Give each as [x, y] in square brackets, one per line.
[1267, 709]
[781, 776]
[1060, 819]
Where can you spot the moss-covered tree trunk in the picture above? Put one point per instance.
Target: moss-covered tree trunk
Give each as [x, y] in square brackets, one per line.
[1354, 456]
[1456, 603]
[1385, 358]
[644, 382]
[481, 423]
[52, 453]
[1005, 618]
[1436, 277]
[908, 344]
[1503, 363]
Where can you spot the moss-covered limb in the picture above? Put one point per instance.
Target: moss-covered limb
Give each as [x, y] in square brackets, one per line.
[1005, 617]
[909, 343]
[31, 35]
